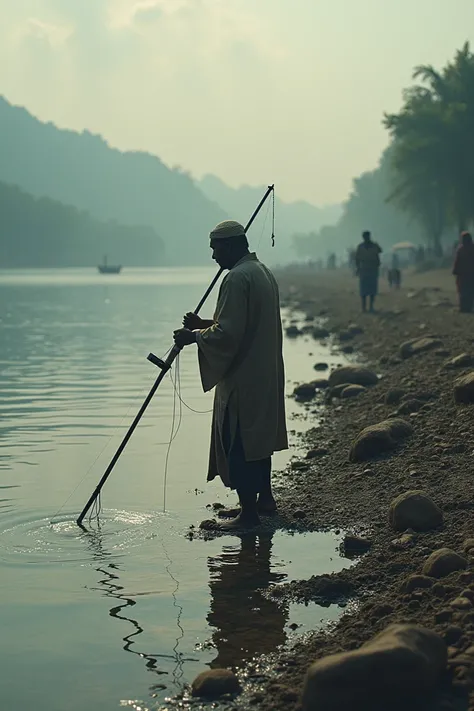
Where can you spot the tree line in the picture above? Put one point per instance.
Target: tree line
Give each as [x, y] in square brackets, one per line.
[422, 189]
[40, 232]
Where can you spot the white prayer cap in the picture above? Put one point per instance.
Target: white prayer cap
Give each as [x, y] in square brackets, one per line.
[227, 229]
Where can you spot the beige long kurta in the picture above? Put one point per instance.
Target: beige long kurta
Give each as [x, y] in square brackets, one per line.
[241, 356]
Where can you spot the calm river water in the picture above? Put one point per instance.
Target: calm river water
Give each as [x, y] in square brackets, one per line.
[130, 611]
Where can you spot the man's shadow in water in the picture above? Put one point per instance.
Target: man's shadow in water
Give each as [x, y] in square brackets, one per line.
[245, 622]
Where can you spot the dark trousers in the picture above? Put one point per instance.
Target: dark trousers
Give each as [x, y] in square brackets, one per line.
[246, 477]
[466, 296]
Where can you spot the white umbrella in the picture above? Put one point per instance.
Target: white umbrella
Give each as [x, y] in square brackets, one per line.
[403, 245]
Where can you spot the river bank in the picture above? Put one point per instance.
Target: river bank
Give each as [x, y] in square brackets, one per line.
[330, 491]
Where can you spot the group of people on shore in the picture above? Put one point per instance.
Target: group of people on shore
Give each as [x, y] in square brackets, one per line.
[367, 267]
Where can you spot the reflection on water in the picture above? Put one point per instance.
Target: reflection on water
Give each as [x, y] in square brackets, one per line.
[73, 373]
[246, 623]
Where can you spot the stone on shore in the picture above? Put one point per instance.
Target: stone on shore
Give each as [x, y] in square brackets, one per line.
[337, 390]
[393, 396]
[409, 406]
[355, 545]
[215, 683]
[468, 545]
[320, 383]
[416, 582]
[319, 332]
[352, 391]
[316, 452]
[443, 562]
[353, 375]
[379, 438]
[304, 392]
[292, 331]
[321, 366]
[418, 345]
[415, 510]
[463, 389]
[465, 360]
[404, 662]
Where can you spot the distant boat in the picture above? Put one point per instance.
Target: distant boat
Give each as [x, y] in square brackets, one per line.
[105, 268]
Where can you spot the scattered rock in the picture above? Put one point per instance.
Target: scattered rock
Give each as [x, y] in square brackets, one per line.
[321, 366]
[355, 329]
[443, 616]
[304, 392]
[337, 390]
[299, 513]
[461, 603]
[355, 545]
[393, 396]
[465, 360]
[320, 384]
[345, 336]
[379, 438]
[347, 349]
[468, 545]
[214, 683]
[293, 331]
[408, 540]
[414, 509]
[353, 375]
[409, 406]
[416, 582]
[443, 562]
[317, 452]
[453, 634]
[400, 663]
[319, 332]
[295, 466]
[352, 391]
[463, 389]
[418, 345]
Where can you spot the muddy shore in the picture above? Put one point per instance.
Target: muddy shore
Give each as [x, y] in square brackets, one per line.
[330, 491]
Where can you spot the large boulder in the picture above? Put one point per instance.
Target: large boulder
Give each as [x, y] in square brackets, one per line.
[379, 438]
[443, 562]
[353, 375]
[402, 663]
[414, 509]
[215, 683]
[418, 345]
[464, 389]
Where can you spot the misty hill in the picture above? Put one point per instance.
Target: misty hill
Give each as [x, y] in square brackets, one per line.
[81, 169]
[40, 232]
[291, 217]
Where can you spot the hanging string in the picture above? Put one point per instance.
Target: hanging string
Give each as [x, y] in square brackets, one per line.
[173, 432]
[273, 218]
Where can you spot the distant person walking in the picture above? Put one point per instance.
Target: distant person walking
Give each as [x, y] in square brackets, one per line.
[367, 269]
[463, 270]
[395, 273]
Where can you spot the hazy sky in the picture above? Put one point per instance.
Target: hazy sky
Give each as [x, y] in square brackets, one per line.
[255, 91]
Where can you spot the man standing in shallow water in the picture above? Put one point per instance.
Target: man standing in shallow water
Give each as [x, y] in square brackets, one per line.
[367, 261]
[240, 354]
